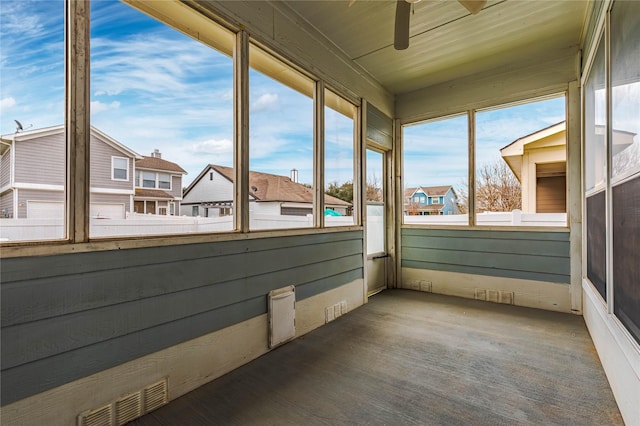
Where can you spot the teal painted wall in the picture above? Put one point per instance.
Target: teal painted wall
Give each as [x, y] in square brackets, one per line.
[68, 316]
[540, 256]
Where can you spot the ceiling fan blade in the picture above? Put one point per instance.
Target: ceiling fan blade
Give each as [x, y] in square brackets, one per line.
[401, 32]
[473, 6]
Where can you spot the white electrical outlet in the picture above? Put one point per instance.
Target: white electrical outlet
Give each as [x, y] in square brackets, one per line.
[330, 315]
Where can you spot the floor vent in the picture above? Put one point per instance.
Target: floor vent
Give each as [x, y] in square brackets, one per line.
[155, 396]
[128, 407]
[495, 296]
[98, 417]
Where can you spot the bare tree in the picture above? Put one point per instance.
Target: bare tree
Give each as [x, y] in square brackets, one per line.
[374, 188]
[497, 189]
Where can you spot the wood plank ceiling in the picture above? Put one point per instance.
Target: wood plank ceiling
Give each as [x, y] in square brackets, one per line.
[446, 41]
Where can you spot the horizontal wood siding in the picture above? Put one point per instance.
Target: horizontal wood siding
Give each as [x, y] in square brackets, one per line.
[6, 204]
[379, 127]
[26, 195]
[66, 317]
[41, 160]
[540, 256]
[101, 171]
[5, 168]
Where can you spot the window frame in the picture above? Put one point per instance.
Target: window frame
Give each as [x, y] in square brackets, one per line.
[115, 158]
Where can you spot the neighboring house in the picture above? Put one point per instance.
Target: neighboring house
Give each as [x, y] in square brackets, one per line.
[32, 176]
[430, 200]
[539, 162]
[211, 195]
[158, 185]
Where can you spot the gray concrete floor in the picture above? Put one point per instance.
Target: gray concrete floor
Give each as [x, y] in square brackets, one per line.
[410, 358]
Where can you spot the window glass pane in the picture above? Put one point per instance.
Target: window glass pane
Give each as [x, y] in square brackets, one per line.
[148, 180]
[168, 111]
[595, 116]
[33, 147]
[625, 162]
[625, 90]
[281, 145]
[521, 163]
[164, 181]
[375, 202]
[436, 173]
[339, 119]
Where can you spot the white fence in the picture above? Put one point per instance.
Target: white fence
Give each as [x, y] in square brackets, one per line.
[514, 218]
[138, 224]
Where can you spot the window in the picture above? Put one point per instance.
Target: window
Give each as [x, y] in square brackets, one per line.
[595, 172]
[280, 144]
[153, 180]
[521, 160]
[120, 168]
[624, 146]
[148, 180]
[435, 160]
[339, 138]
[164, 181]
[169, 110]
[32, 202]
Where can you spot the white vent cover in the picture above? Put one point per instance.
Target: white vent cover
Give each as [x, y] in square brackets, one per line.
[128, 407]
[98, 417]
[155, 396]
[282, 315]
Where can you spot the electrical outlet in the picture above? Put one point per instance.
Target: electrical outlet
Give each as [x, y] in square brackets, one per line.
[426, 286]
[330, 315]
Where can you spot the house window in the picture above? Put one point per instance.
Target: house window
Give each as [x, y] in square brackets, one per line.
[444, 145]
[339, 137]
[195, 211]
[521, 164]
[279, 94]
[120, 167]
[33, 91]
[132, 84]
[164, 181]
[148, 180]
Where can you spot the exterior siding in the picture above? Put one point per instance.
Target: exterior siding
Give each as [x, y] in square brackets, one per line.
[25, 195]
[539, 256]
[176, 186]
[41, 160]
[218, 189]
[5, 168]
[6, 204]
[113, 199]
[101, 154]
[65, 317]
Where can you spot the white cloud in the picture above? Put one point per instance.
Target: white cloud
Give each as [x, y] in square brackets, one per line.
[7, 103]
[265, 102]
[212, 147]
[97, 106]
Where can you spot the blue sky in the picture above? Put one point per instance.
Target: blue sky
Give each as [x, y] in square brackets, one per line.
[436, 151]
[153, 87]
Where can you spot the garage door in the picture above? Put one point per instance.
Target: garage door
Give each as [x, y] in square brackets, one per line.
[45, 209]
[107, 211]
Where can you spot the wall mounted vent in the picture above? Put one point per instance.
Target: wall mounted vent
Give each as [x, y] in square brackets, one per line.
[282, 315]
[128, 407]
[155, 396]
[98, 417]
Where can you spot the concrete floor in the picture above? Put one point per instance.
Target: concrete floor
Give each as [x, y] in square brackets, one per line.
[410, 358]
